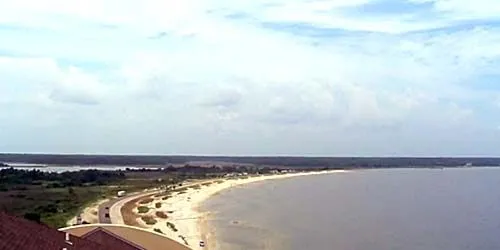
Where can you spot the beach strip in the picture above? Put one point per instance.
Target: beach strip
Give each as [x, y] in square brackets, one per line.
[176, 215]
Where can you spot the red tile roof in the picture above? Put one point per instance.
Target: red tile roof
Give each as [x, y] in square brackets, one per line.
[20, 234]
[105, 237]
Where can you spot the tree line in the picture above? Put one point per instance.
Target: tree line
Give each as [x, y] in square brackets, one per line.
[331, 162]
[11, 176]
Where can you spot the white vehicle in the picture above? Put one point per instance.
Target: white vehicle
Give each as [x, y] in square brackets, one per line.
[120, 193]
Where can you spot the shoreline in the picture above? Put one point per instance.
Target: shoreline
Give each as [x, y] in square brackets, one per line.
[180, 216]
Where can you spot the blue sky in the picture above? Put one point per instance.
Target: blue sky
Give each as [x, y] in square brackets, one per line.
[295, 77]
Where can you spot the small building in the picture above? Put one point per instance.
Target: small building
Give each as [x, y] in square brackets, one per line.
[79, 219]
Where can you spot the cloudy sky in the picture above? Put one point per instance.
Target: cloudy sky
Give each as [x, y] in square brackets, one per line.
[251, 77]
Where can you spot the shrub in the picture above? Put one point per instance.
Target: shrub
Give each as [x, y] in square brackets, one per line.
[143, 209]
[158, 231]
[172, 226]
[161, 215]
[149, 220]
[158, 205]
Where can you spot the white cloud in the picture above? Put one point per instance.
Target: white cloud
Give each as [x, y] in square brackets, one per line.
[463, 9]
[215, 85]
[74, 86]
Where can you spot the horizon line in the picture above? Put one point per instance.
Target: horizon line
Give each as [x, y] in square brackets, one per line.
[241, 156]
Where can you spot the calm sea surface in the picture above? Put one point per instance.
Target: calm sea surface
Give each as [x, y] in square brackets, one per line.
[411, 209]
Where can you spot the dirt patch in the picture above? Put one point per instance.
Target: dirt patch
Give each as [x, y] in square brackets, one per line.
[146, 201]
[128, 214]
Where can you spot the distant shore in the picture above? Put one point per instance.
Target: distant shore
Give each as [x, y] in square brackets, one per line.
[177, 215]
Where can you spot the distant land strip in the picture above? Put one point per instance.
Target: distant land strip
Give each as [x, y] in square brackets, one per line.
[285, 161]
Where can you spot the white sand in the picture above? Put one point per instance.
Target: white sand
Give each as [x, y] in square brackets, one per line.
[89, 214]
[192, 224]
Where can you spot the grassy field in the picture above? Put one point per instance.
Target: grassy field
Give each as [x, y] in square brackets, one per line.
[54, 203]
[55, 206]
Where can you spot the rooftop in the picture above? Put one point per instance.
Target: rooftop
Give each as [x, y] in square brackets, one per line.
[19, 233]
[136, 236]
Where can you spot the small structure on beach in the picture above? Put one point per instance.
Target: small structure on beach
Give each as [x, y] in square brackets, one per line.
[79, 219]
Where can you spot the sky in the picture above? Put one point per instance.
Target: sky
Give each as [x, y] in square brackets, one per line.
[251, 77]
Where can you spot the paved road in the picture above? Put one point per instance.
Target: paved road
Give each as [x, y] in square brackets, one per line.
[107, 209]
[115, 210]
[109, 212]
[104, 217]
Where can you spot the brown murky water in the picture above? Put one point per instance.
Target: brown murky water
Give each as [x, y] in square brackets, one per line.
[410, 209]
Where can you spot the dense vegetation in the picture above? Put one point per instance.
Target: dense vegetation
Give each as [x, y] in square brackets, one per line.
[332, 162]
[10, 177]
[52, 198]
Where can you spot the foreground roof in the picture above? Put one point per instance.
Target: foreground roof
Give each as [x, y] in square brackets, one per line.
[21, 234]
[105, 237]
[142, 238]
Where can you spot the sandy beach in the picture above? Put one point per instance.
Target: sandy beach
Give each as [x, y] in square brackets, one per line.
[176, 214]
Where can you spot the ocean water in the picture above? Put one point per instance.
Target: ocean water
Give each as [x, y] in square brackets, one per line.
[410, 209]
